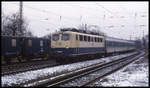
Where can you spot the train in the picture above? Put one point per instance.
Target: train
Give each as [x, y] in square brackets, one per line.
[78, 43]
[64, 45]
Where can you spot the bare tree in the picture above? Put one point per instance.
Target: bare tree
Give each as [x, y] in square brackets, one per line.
[10, 26]
[4, 22]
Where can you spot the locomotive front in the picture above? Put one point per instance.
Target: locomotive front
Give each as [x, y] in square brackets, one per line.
[60, 44]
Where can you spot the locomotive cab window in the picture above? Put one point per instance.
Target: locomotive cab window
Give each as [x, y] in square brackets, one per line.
[55, 37]
[65, 37]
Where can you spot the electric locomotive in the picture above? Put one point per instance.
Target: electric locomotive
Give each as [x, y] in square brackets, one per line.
[67, 44]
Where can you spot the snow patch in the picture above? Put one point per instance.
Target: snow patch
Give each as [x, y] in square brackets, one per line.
[131, 75]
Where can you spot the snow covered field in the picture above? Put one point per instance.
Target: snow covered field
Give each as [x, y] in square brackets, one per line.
[52, 71]
[135, 74]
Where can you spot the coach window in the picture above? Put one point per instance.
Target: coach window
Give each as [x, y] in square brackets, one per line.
[81, 37]
[65, 37]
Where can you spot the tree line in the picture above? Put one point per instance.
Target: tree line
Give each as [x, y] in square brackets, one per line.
[11, 25]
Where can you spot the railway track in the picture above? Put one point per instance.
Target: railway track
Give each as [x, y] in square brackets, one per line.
[122, 64]
[15, 68]
[27, 66]
[64, 79]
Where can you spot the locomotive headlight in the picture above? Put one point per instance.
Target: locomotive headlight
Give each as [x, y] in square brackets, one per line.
[67, 46]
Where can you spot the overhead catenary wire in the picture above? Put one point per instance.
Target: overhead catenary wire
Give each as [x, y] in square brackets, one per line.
[60, 16]
[107, 10]
[111, 12]
[45, 11]
[52, 13]
[64, 17]
[72, 5]
[104, 8]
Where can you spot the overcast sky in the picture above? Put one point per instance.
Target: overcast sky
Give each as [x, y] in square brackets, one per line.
[117, 19]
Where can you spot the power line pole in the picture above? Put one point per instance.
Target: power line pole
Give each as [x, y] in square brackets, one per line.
[60, 22]
[135, 20]
[20, 23]
[143, 39]
[130, 37]
[104, 21]
[143, 33]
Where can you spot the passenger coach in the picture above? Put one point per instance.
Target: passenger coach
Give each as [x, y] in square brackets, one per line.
[114, 45]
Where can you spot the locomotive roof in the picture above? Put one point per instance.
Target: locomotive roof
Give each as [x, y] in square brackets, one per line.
[85, 31]
[80, 33]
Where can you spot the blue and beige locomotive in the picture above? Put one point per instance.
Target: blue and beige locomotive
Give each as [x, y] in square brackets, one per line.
[67, 44]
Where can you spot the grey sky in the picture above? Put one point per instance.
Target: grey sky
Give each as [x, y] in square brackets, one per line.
[44, 17]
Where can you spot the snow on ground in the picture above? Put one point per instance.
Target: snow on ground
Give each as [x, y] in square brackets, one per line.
[135, 74]
[19, 78]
